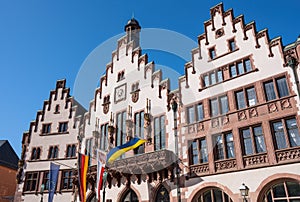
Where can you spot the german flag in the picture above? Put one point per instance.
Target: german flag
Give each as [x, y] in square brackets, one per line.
[83, 162]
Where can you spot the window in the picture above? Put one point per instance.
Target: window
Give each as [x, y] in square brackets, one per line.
[212, 53]
[253, 140]
[121, 128]
[276, 91]
[240, 67]
[232, 46]
[198, 152]
[89, 146]
[245, 98]
[67, 179]
[46, 128]
[139, 130]
[46, 178]
[212, 195]
[121, 75]
[159, 133]
[104, 137]
[53, 152]
[63, 127]
[287, 190]
[57, 108]
[135, 87]
[162, 194]
[130, 195]
[71, 151]
[31, 181]
[219, 105]
[224, 146]
[286, 133]
[213, 77]
[35, 154]
[193, 116]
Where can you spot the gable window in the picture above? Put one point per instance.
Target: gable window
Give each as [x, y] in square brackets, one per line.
[224, 146]
[35, 154]
[104, 137]
[63, 127]
[121, 75]
[245, 98]
[219, 105]
[212, 53]
[135, 87]
[198, 152]
[46, 128]
[253, 140]
[159, 133]
[67, 179]
[53, 152]
[31, 181]
[286, 133]
[71, 151]
[276, 88]
[139, 130]
[57, 108]
[212, 77]
[240, 67]
[232, 46]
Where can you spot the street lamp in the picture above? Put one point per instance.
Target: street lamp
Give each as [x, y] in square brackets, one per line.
[174, 108]
[244, 192]
[42, 192]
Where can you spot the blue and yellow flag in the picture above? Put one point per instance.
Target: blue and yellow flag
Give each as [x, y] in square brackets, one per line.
[114, 153]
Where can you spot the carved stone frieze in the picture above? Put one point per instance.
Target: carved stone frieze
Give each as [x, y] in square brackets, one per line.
[272, 107]
[242, 115]
[225, 165]
[200, 127]
[215, 122]
[225, 120]
[256, 160]
[253, 112]
[290, 154]
[199, 169]
[191, 129]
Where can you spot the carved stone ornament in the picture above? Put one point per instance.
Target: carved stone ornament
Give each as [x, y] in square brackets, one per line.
[253, 112]
[147, 127]
[285, 104]
[215, 122]
[105, 108]
[291, 154]
[225, 165]
[135, 96]
[220, 32]
[242, 115]
[199, 169]
[225, 120]
[256, 160]
[272, 107]
[200, 127]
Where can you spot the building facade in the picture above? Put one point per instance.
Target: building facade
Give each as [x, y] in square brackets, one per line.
[233, 120]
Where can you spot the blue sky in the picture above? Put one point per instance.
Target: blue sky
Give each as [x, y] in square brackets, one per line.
[42, 41]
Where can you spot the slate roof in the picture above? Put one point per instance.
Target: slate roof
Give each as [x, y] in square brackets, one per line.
[8, 156]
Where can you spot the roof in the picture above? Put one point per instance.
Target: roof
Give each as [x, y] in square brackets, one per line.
[8, 156]
[133, 23]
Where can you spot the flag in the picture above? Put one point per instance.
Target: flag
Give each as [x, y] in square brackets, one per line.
[54, 169]
[100, 171]
[83, 161]
[114, 153]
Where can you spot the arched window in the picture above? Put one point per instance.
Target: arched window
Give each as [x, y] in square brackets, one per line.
[287, 190]
[212, 194]
[162, 195]
[130, 196]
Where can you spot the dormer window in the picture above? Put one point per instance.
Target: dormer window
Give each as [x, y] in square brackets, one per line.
[106, 99]
[232, 46]
[135, 87]
[212, 53]
[121, 75]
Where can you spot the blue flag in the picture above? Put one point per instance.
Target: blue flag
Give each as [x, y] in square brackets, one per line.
[53, 180]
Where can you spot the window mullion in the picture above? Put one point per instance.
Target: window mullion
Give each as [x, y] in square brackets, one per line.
[275, 88]
[286, 133]
[224, 145]
[254, 146]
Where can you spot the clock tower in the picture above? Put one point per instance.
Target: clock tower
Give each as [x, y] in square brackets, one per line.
[133, 29]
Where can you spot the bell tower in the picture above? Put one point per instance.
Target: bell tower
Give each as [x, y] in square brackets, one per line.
[133, 29]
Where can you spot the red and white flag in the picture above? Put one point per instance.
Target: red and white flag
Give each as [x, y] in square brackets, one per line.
[100, 171]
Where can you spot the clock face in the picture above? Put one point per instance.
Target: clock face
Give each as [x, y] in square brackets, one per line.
[120, 93]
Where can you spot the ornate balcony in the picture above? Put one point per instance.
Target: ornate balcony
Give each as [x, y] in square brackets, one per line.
[256, 160]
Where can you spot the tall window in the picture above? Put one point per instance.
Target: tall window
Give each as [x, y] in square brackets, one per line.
[46, 178]
[63, 127]
[35, 154]
[159, 133]
[53, 152]
[31, 181]
[192, 115]
[71, 151]
[240, 67]
[139, 130]
[162, 194]
[287, 190]
[253, 140]
[219, 105]
[286, 133]
[198, 152]
[67, 179]
[232, 45]
[276, 88]
[212, 53]
[46, 128]
[224, 146]
[104, 137]
[212, 77]
[121, 128]
[245, 98]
